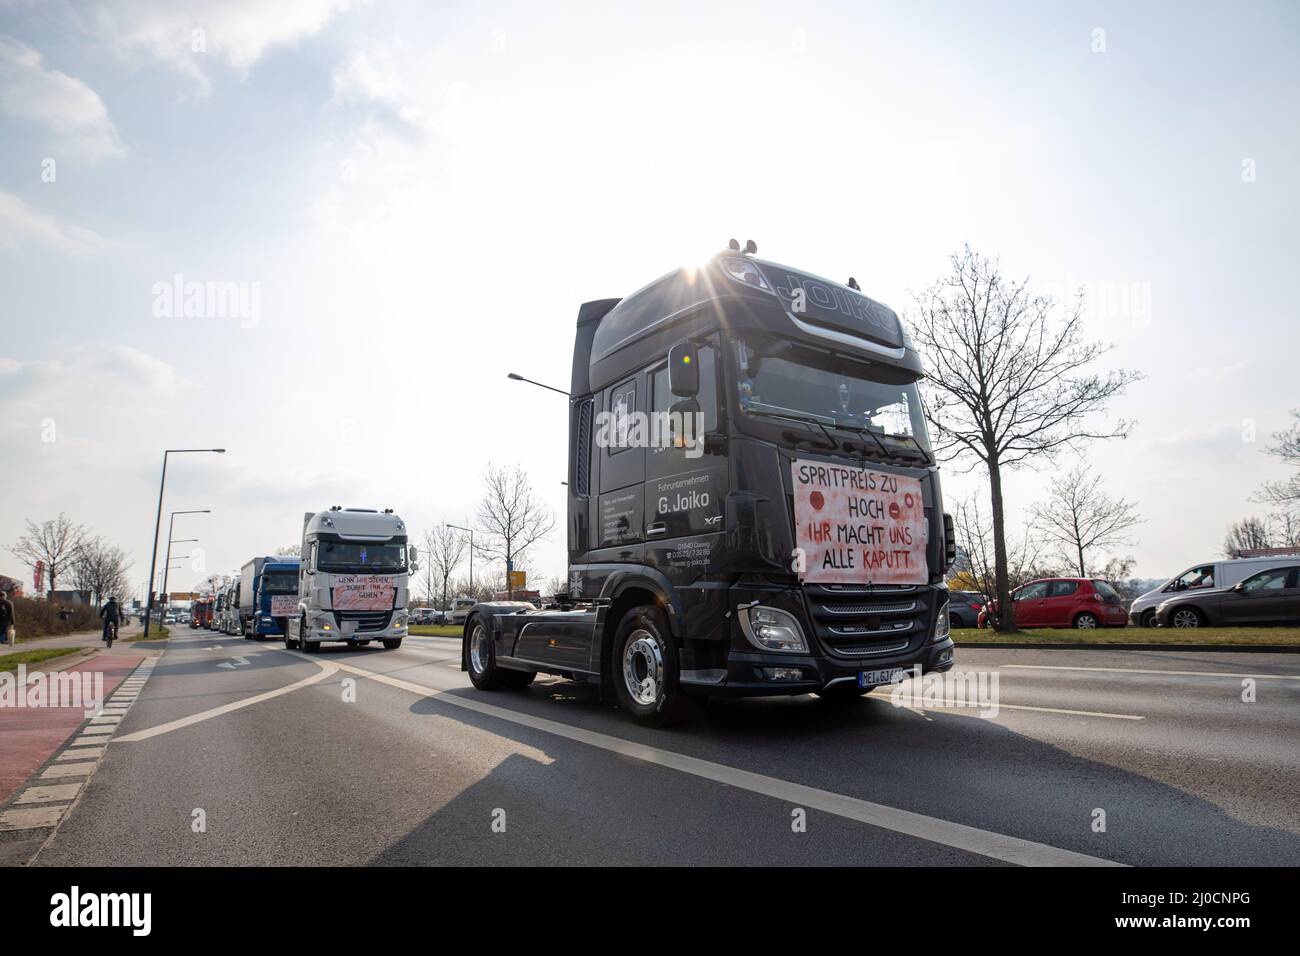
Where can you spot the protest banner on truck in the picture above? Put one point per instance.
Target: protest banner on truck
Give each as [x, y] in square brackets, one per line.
[858, 526]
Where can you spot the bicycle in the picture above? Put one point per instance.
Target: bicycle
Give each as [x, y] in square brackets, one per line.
[110, 633]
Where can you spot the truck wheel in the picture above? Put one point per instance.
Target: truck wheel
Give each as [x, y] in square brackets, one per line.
[483, 671]
[291, 644]
[645, 670]
[392, 645]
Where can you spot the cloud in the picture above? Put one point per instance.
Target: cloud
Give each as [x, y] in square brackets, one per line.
[188, 37]
[71, 109]
[21, 225]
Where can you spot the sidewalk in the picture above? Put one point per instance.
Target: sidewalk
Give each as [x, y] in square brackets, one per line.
[29, 736]
[75, 639]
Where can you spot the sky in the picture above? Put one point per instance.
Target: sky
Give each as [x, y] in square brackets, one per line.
[410, 200]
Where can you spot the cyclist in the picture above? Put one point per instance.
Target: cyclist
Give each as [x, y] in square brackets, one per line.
[111, 612]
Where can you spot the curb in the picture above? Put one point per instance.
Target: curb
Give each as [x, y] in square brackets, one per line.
[1130, 646]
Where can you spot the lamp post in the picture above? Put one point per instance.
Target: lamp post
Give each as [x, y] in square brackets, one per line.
[171, 522]
[471, 555]
[157, 525]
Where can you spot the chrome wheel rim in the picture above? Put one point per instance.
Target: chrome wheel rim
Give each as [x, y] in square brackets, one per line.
[478, 649]
[643, 667]
[1187, 618]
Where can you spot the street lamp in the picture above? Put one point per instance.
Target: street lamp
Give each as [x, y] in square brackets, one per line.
[170, 541]
[157, 525]
[471, 555]
[519, 378]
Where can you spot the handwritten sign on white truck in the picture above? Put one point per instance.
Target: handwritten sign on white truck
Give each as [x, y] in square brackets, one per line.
[363, 592]
[858, 526]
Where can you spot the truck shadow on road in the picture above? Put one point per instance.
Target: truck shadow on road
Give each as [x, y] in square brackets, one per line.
[951, 766]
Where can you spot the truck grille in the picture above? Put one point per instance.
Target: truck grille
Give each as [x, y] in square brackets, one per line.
[861, 621]
[366, 620]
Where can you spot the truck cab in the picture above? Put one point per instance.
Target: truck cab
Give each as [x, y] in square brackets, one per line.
[352, 582]
[753, 504]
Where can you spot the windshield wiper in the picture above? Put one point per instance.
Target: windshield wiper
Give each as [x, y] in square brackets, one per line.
[885, 449]
[776, 411]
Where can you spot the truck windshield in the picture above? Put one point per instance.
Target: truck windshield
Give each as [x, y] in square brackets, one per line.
[778, 376]
[360, 558]
[280, 582]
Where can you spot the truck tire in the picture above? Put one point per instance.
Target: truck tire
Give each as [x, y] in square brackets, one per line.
[644, 669]
[481, 658]
[290, 644]
[392, 645]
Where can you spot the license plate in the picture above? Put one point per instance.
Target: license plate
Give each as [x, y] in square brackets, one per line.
[876, 678]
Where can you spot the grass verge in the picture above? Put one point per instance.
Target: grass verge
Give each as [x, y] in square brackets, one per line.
[10, 662]
[435, 630]
[1134, 635]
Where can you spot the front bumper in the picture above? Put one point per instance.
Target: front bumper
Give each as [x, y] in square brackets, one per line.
[749, 674]
[847, 632]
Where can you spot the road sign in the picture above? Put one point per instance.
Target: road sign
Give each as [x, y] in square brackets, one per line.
[518, 579]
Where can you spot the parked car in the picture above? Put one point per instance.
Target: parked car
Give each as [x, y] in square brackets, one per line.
[1271, 596]
[1063, 602]
[426, 615]
[964, 608]
[1206, 576]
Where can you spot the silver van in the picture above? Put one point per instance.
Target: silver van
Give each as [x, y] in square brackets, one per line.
[1210, 575]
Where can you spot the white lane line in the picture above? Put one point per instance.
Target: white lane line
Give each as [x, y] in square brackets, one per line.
[1134, 670]
[53, 793]
[963, 705]
[326, 670]
[956, 835]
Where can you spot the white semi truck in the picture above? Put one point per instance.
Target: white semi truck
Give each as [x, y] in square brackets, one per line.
[353, 580]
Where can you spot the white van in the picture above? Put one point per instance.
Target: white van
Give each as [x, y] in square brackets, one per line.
[460, 608]
[1210, 575]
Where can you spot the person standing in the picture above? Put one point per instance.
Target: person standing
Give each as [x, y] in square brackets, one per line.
[7, 619]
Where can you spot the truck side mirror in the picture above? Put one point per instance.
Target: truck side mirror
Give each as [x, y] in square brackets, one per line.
[683, 370]
[413, 558]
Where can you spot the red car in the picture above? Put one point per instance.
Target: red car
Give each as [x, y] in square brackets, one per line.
[1064, 602]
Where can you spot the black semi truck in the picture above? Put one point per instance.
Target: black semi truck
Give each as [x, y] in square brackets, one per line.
[753, 505]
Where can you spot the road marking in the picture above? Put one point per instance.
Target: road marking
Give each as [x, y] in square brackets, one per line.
[326, 670]
[54, 793]
[963, 705]
[1134, 670]
[68, 769]
[956, 835]
[81, 754]
[30, 818]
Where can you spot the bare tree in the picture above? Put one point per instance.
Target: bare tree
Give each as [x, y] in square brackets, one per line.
[511, 517]
[975, 548]
[1079, 516]
[53, 543]
[1281, 530]
[1007, 381]
[100, 568]
[1285, 493]
[446, 549]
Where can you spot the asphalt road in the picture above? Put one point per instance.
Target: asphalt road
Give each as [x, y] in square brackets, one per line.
[354, 757]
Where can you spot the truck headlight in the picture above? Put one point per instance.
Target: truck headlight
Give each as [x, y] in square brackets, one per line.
[942, 626]
[772, 630]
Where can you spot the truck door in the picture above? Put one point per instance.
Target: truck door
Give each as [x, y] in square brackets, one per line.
[685, 489]
[620, 531]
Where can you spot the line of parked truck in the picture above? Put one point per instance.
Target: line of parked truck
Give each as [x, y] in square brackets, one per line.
[349, 583]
